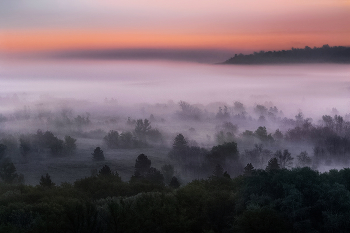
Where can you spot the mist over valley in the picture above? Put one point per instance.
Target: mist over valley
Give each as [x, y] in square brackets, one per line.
[86, 100]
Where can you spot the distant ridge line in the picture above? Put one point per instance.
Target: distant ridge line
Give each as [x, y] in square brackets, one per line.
[324, 54]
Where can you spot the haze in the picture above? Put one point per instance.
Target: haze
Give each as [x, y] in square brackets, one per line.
[313, 89]
[113, 63]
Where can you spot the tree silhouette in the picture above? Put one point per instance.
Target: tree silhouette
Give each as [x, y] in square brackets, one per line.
[45, 181]
[180, 143]
[272, 165]
[336, 54]
[168, 172]
[8, 171]
[153, 175]
[303, 159]
[3, 149]
[218, 171]
[98, 154]
[112, 139]
[174, 183]
[248, 170]
[142, 128]
[179, 149]
[69, 144]
[105, 171]
[142, 164]
[285, 159]
[24, 145]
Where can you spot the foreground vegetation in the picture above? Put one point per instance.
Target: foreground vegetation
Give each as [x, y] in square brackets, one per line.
[236, 169]
[270, 200]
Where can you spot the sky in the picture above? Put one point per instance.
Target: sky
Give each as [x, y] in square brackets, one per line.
[162, 28]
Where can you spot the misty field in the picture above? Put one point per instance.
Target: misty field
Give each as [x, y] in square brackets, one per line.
[174, 147]
[59, 96]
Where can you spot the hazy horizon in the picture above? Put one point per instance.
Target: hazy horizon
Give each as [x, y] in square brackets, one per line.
[313, 88]
[237, 26]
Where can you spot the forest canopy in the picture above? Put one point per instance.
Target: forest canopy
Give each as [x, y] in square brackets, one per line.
[324, 54]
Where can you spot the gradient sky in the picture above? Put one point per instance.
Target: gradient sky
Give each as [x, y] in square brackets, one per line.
[235, 25]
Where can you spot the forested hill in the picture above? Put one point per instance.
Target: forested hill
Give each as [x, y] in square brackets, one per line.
[324, 54]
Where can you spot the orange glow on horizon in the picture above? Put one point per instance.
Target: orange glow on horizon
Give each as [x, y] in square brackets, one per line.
[42, 40]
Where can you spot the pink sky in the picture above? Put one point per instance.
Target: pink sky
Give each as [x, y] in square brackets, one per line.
[249, 25]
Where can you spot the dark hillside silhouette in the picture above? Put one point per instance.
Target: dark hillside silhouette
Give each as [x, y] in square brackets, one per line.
[324, 54]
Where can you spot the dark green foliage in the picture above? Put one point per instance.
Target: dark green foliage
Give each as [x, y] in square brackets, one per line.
[273, 165]
[8, 171]
[297, 200]
[81, 121]
[2, 151]
[25, 145]
[223, 137]
[226, 175]
[82, 216]
[47, 142]
[98, 154]
[45, 181]
[248, 170]
[248, 134]
[261, 133]
[182, 153]
[278, 135]
[260, 110]
[262, 220]
[168, 172]
[11, 144]
[218, 171]
[303, 159]
[52, 142]
[154, 135]
[180, 144]
[125, 140]
[142, 164]
[112, 139]
[220, 153]
[285, 159]
[174, 183]
[336, 54]
[142, 128]
[154, 176]
[144, 132]
[69, 144]
[105, 171]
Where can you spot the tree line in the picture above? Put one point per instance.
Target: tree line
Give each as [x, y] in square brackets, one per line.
[335, 54]
[269, 200]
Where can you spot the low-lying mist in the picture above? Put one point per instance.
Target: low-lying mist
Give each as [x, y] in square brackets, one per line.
[54, 114]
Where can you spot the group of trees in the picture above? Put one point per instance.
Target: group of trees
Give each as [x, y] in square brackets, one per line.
[263, 196]
[200, 161]
[336, 54]
[8, 172]
[272, 200]
[145, 173]
[125, 140]
[330, 139]
[189, 112]
[226, 132]
[142, 135]
[42, 141]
